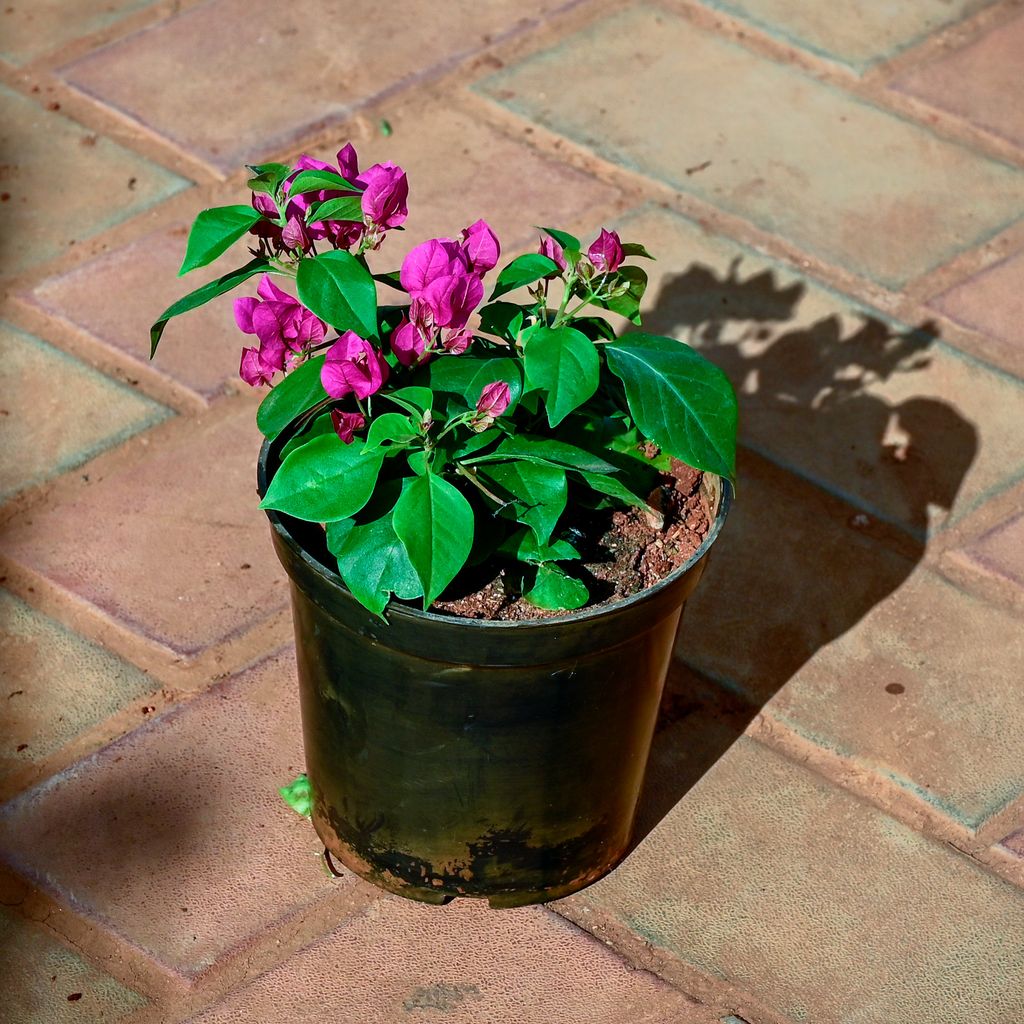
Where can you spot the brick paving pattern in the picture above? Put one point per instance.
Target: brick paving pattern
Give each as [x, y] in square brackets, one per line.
[833, 827]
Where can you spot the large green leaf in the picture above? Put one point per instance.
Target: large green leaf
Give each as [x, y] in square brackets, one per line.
[203, 295]
[300, 390]
[523, 270]
[678, 399]
[556, 590]
[539, 490]
[502, 319]
[342, 208]
[339, 290]
[466, 376]
[213, 232]
[613, 488]
[324, 480]
[434, 521]
[374, 564]
[565, 363]
[317, 180]
[545, 450]
[390, 430]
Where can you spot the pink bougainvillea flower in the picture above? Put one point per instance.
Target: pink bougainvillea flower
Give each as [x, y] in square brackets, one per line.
[385, 191]
[409, 340]
[341, 233]
[434, 258]
[348, 162]
[279, 320]
[606, 252]
[353, 366]
[452, 298]
[494, 399]
[481, 247]
[295, 234]
[550, 248]
[347, 423]
[257, 368]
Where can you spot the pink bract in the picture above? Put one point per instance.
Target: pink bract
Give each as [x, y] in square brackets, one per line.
[353, 366]
[347, 423]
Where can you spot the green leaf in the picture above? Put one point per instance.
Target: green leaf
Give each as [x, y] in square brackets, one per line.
[203, 295]
[563, 238]
[435, 523]
[635, 249]
[565, 363]
[339, 290]
[412, 399]
[476, 442]
[388, 431]
[540, 492]
[300, 390]
[523, 270]
[267, 177]
[298, 795]
[499, 319]
[342, 208]
[556, 590]
[374, 564]
[678, 399]
[546, 450]
[324, 480]
[318, 426]
[319, 181]
[523, 546]
[627, 304]
[213, 232]
[467, 375]
[613, 488]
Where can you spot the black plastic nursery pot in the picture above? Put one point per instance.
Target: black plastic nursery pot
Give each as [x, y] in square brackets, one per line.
[458, 757]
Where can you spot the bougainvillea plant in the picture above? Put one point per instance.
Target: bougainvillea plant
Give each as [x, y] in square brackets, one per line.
[447, 429]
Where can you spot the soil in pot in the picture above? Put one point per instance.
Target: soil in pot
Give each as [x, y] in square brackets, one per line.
[623, 552]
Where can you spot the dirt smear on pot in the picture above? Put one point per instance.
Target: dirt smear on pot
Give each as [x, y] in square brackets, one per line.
[622, 552]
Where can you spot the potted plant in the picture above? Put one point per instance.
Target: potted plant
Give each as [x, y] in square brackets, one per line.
[484, 526]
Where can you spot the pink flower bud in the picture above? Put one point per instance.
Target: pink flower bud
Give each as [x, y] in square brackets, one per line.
[550, 248]
[347, 423]
[606, 252]
[254, 370]
[408, 344]
[494, 399]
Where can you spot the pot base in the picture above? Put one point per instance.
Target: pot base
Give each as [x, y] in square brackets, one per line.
[438, 894]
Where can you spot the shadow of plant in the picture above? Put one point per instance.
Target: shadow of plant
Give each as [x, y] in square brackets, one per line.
[798, 563]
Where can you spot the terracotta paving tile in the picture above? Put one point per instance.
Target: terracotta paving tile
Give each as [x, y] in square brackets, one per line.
[865, 654]
[200, 349]
[238, 41]
[979, 82]
[819, 905]
[30, 30]
[49, 984]
[924, 691]
[466, 963]
[904, 427]
[43, 433]
[991, 302]
[53, 684]
[173, 545]
[175, 836]
[110, 183]
[859, 34]
[848, 182]
[999, 552]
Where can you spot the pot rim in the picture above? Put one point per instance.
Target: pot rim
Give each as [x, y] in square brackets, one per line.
[405, 611]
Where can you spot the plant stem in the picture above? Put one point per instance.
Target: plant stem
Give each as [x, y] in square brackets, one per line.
[471, 476]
